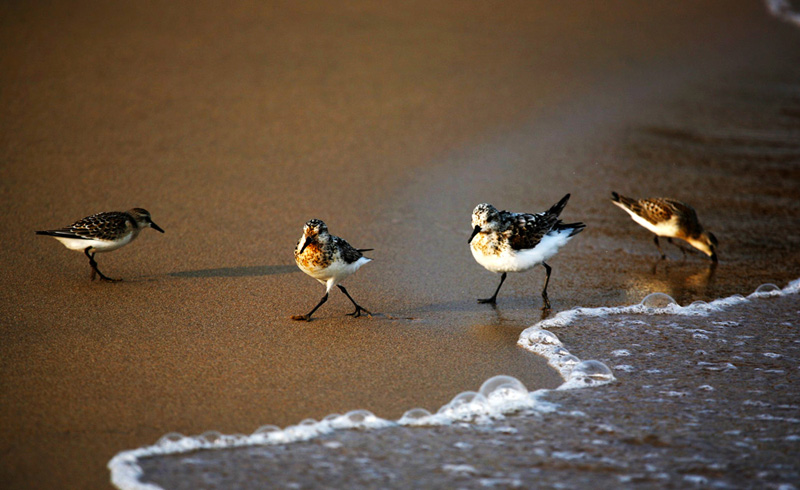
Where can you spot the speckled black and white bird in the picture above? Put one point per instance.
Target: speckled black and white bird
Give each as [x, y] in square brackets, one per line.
[103, 232]
[328, 259]
[503, 241]
[671, 219]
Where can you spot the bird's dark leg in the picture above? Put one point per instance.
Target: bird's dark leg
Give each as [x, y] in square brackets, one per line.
[663, 255]
[359, 308]
[91, 262]
[307, 317]
[683, 248]
[95, 270]
[493, 299]
[544, 291]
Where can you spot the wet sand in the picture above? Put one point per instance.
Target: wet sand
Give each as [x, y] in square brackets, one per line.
[233, 127]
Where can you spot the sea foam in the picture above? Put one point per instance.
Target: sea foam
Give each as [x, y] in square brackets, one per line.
[783, 10]
[542, 341]
[496, 398]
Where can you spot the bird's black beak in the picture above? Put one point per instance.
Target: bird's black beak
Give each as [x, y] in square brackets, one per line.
[305, 244]
[156, 227]
[474, 232]
[714, 257]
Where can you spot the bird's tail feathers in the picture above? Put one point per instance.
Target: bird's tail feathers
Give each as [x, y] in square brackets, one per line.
[624, 201]
[574, 228]
[559, 206]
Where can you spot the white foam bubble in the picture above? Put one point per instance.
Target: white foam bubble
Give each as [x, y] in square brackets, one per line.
[506, 430]
[696, 479]
[171, 438]
[658, 300]
[503, 388]
[501, 482]
[587, 374]
[568, 455]
[359, 419]
[460, 469]
[767, 288]
[466, 406]
[464, 446]
[416, 417]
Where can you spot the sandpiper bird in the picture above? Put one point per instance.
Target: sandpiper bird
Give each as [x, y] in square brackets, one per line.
[328, 259]
[671, 219]
[502, 241]
[103, 232]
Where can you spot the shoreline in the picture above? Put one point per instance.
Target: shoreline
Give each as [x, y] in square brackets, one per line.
[576, 435]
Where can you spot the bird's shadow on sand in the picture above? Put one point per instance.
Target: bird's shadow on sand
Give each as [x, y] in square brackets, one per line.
[246, 271]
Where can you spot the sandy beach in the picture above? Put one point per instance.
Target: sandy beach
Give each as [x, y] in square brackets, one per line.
[233, 126]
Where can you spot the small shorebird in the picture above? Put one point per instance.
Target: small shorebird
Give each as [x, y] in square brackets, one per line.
[328, 259]
[671, 219]
[502, 241]
[103, 232]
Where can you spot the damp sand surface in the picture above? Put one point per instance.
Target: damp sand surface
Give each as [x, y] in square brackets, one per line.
[390, 126]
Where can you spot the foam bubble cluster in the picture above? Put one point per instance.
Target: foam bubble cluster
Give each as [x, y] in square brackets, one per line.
[542, 341]
[497, 397]
[655, 304]
[466, 406]
[547, 345]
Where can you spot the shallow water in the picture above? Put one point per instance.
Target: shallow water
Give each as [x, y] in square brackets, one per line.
[704, 397]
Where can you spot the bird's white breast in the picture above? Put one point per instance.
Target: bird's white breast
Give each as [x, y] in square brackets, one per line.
[97, 245]
[335, 272]
[506, 259]
[668, 228]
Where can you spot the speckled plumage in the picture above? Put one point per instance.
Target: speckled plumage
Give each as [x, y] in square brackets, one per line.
[103, 232]
[503, 241]
[669, 218]
[328, 259]
[102, 226]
